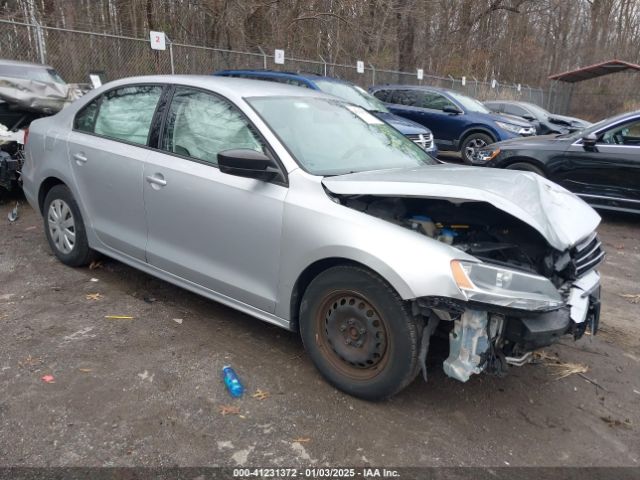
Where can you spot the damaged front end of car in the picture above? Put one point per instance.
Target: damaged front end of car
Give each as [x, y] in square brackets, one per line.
[522, 284]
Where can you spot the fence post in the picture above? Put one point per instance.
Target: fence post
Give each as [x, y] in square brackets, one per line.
[324, 62]
[373, 74]
[475, 88]
[264, 57]
[41, 44]
[170, 53]
[453, 81]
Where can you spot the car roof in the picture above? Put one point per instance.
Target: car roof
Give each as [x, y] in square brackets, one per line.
[17, 63]
[414, 87]
[227, 86]
[284, 74]
[510, 102]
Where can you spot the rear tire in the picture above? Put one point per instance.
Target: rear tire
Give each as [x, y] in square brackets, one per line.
[471, 143]
[359, 333]
[526, 167]
[64, 228]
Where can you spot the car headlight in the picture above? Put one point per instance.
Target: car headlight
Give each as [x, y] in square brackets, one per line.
[512, 128]
[486, 155]
[505, 287]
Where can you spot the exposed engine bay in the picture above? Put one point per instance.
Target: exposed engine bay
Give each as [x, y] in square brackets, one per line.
[486, 337]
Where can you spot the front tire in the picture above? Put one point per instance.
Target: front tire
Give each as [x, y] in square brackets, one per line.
[471, 143]
[526, 167]
[360, 334]
[64, 228]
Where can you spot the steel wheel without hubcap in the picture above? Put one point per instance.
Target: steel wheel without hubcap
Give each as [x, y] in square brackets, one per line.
[472, 146]
[62, 227]
[352, 335]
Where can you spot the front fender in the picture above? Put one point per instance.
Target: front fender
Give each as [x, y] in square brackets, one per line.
[315, 228]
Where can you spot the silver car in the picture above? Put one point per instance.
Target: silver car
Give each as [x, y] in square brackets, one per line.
[312, 214]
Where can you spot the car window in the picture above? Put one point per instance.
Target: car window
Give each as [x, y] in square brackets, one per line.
[494, 107]
[331, 137]
[383, 95]
[434, 101]
[200, 125]
[123, 114]
[40, 74]
[405, 97]
[626, 134]
[352, 93]
[514, 110]
[86, 118]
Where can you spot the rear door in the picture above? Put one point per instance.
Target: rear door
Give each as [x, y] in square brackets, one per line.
[107, 149]
[219, 231]
[608, 175]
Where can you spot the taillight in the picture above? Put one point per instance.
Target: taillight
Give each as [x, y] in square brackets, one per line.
[26, 136]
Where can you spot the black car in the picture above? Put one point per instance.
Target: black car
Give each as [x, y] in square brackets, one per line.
[544, 121]
[601, 163]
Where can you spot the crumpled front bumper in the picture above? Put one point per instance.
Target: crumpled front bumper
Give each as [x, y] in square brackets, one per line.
[488, 340]
[532, 331]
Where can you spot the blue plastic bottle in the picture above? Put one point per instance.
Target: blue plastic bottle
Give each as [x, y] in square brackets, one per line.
[232, 381]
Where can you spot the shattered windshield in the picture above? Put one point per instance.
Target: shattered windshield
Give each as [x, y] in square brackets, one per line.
[330, 137]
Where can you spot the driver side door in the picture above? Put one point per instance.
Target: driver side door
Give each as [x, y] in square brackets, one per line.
[609, 173]
[215, 230]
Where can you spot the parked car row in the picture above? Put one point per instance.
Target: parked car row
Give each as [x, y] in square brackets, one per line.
[310, 211]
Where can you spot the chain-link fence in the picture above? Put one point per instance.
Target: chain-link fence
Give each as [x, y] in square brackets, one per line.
[75, 53]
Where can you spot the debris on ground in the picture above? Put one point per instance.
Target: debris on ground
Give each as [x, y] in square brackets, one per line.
[94, 296]
[229, 410]
[232, 381]
[48, 379]
[149, 299]
[631, 297]
[146, 376]
[636, 391]
[118, 317]
[614, 422]
[85, 370]
[95, 265]
[302, 440]
[562, 369]
[94, 280]
[260, 395]
[30, 361]
[178, 321]
[13, 214]
[28, 229]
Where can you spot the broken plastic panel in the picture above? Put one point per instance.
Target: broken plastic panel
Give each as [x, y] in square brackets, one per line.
[468, 342]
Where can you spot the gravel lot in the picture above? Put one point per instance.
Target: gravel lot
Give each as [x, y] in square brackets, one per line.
[147, 391]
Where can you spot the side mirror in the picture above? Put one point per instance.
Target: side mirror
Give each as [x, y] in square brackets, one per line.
[589, 142]
[244, 162]
[528, 117]
[452, 109]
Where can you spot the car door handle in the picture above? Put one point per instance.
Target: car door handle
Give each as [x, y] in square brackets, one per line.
[156, 180]
[80, 158]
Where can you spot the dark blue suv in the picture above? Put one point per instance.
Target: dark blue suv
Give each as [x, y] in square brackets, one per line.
[458, 122]
[419, 134]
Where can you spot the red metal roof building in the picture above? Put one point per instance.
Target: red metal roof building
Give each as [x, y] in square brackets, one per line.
[593, 71]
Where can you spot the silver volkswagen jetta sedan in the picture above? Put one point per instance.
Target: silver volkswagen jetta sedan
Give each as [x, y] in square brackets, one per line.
[309, 213]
